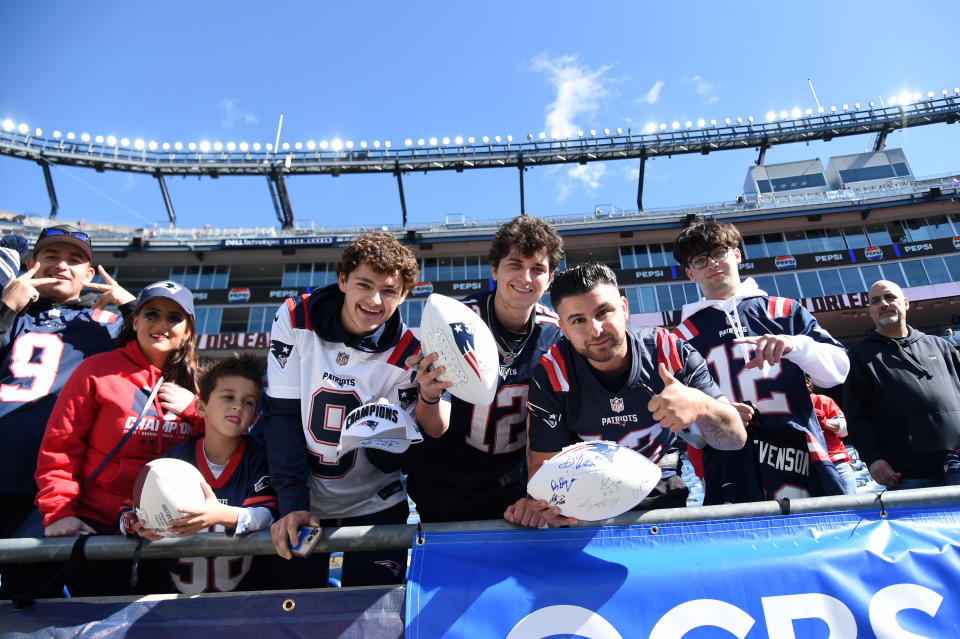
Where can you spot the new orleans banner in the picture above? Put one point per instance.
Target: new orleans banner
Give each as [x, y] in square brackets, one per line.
[837, 575]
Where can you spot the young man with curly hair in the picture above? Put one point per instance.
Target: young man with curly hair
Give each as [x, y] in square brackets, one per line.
[471, 464]
[332, 351]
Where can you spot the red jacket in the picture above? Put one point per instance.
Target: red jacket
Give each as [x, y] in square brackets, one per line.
[99, 402]
[826, 409]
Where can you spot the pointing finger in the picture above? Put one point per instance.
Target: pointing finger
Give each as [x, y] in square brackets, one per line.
[41, 281]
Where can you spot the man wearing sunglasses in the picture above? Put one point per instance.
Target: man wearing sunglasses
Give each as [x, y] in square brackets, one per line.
[48, 328]
[758, 347]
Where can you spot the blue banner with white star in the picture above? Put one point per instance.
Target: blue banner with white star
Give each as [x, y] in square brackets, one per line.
[824, 575]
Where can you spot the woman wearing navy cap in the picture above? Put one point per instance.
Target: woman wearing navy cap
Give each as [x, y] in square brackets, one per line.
[83, 478]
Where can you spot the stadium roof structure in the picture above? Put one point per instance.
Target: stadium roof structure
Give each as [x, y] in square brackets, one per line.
[159, 160]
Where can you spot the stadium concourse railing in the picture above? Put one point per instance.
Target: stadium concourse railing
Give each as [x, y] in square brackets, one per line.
[404, 536]
[602, 216]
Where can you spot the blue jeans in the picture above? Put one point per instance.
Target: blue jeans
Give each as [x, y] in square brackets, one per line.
[847, 477]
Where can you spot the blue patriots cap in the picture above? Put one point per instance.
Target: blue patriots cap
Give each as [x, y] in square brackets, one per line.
[171, 290]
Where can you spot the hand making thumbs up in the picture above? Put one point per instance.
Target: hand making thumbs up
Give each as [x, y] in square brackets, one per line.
[677, 405]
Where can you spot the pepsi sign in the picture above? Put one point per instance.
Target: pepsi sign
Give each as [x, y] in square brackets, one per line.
[238, 295]
[873, 253]
[422, 288]
[785, 261]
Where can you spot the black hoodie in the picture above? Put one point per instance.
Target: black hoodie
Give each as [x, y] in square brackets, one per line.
[902, 401]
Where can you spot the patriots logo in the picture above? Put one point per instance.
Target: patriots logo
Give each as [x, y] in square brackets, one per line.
[173, 287]
[281, 352]
[616, 404]
[407, 396]
[342, 358]
[463, 336]
[371, 423]
[390, 565]
[262, 484]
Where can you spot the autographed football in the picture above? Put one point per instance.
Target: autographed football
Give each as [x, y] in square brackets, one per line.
[162, 488]
[465, 347]
[594, 480]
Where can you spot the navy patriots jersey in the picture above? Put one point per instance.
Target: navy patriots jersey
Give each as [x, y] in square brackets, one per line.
[785, 455]
[568, 403]
[478, 468]
[37, 355]
[244, 483]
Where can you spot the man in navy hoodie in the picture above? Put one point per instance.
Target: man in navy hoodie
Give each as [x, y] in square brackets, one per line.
[902, 397]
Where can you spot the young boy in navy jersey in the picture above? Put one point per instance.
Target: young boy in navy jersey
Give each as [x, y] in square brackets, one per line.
[758, 347]
[239, 497]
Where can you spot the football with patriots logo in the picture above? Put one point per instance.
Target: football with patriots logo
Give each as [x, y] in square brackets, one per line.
[162, 488]
[465, 347]
[594, 480]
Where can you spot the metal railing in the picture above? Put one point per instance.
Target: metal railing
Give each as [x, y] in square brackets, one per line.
[402, 536]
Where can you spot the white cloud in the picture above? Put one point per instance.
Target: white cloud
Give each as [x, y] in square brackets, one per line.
[653, 94]
[579, 90]
[587, 176]
[232, 114]
[706, 89]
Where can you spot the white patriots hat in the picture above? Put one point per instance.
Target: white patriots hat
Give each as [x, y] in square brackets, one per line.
[383, 426]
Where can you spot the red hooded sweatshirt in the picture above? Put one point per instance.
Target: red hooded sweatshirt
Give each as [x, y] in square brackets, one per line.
[97, 405]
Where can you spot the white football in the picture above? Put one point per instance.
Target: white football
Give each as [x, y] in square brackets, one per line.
[162, 488]
[594, 480]
[465, 346]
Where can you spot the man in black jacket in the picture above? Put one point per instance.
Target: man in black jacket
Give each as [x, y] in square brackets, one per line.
[902, 396]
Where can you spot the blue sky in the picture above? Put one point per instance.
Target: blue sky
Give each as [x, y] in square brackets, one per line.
[225, 71]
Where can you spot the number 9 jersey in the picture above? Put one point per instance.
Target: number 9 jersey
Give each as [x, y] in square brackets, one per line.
[316, 374]
[40, 349]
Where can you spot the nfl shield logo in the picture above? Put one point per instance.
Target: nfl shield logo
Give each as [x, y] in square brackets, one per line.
[342, 358]
[616, 403]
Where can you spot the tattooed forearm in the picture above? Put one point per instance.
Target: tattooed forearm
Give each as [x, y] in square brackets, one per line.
[723, 428]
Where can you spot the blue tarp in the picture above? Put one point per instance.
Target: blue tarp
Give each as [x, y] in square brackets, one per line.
[839, 575]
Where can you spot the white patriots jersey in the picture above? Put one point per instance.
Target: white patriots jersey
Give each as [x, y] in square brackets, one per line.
[331, 379]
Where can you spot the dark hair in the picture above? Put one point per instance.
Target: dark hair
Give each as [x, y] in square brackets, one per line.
[580, 279]
[529, 235]
[181, 365]
[384, 254]
[243, 365]
[703, 237]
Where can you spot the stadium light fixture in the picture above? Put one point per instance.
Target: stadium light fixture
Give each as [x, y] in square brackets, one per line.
[311, 145]
[421, 142]
[446, 140]
[285, 146]
[471, 139]
[530, 137]
[580, 133]
[726, 120]
[846, 107]
[337, 144]
[619, 131]
[458, 140]
[917, 97]
[178, 146]
[796, 113]
[8, 125]
[205, 146]
[166, 146]
[433, 141]
[256, 146]
[348, 144]
[856, 105]
[192, 146]
[871, 104]
[298, 146]
[85, 137]
[509, 139]
[486, 139]
[387, 144]
[98, 139]
[123, 141]
[651, 127]
[408, 142]
[496, 139]
[376, 144]
[23, 128]
[111, 140]
[892, 100]
[771, 116]
[808, 112]
[138, 144]
[217, 146]
[833, 109]
[713, 123]
[38, 132]
[56, 135]
[956, 90]
[70, 135]
[701, 123]
[929, 94]
[784, 115]
[749, 119]
[606, 131]
[904, 98]
[593, 133]
[943, 92]
[663, 126]
[233, 147]
[676, 125]
[152, 145]
[269, 146]
[688, 124]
